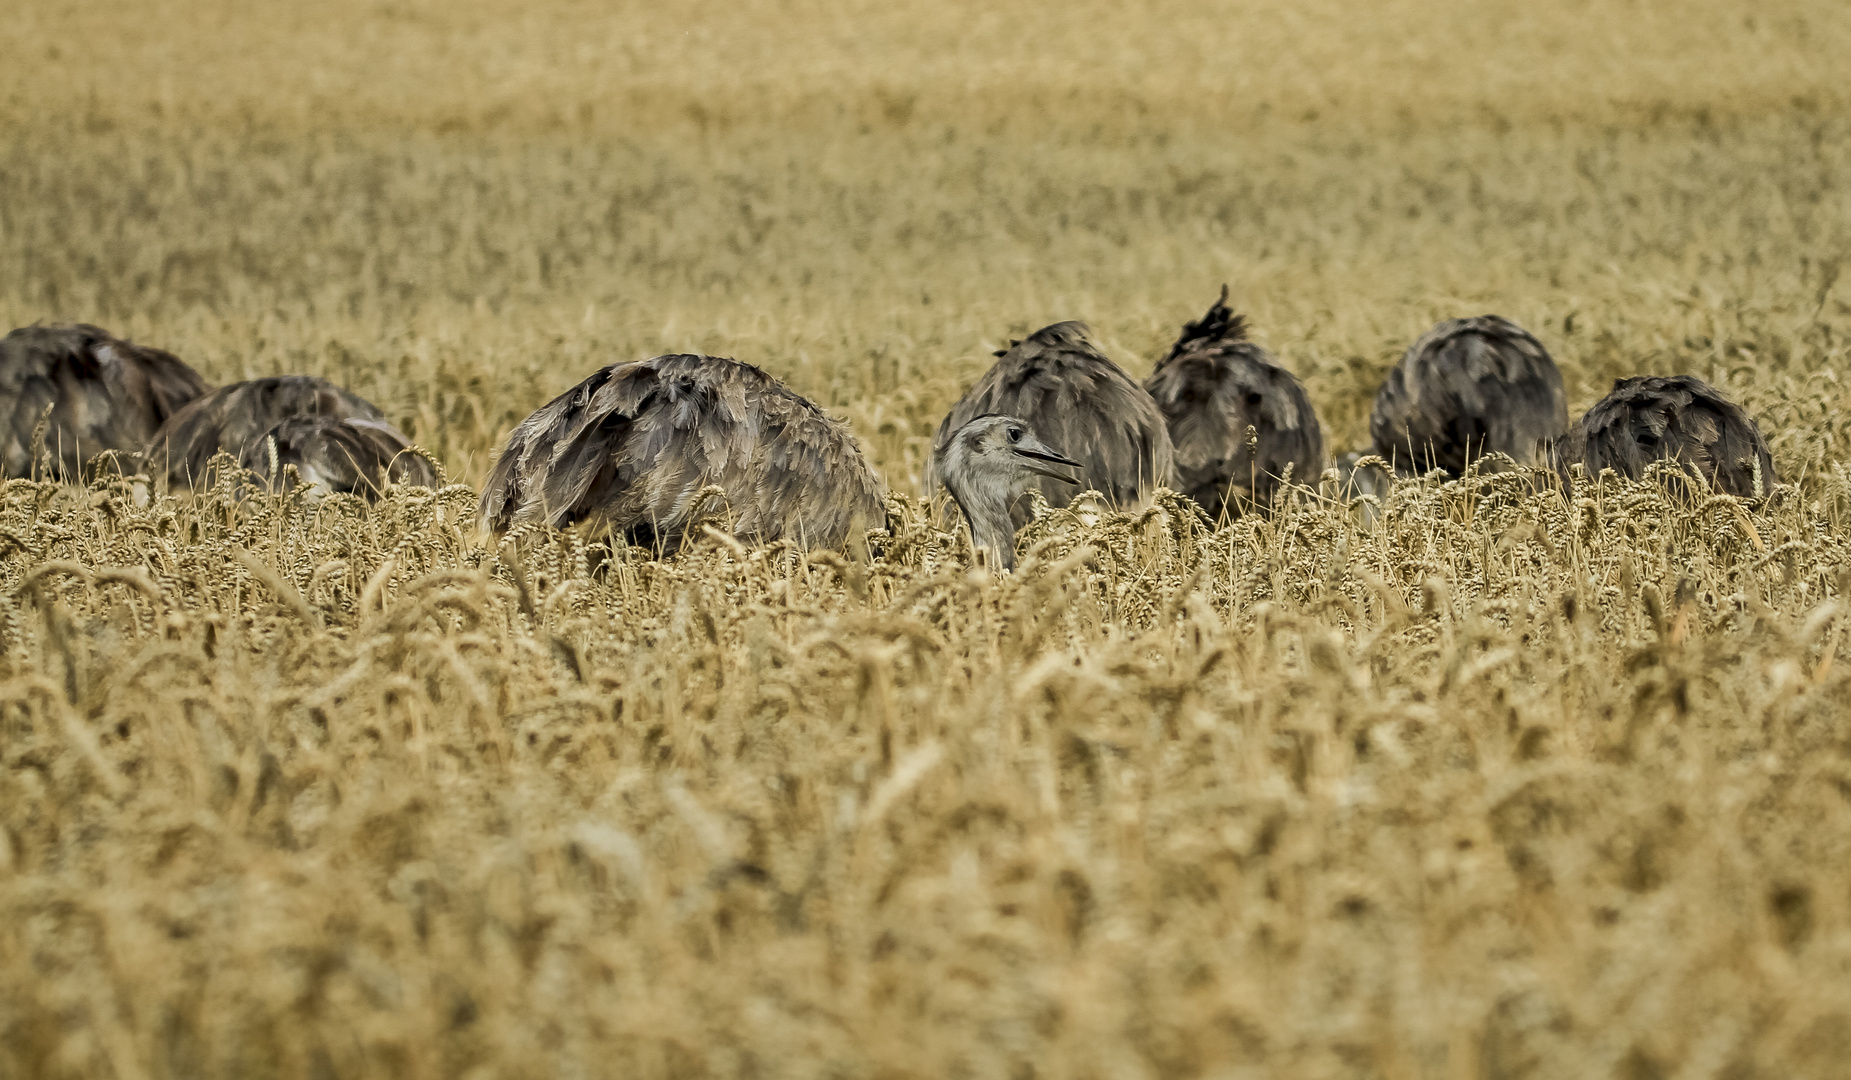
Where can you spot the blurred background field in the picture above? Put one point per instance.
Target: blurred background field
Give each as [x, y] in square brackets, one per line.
[742, 815]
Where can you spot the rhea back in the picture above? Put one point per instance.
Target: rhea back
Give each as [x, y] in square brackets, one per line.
[1240, 423]
[1465, 389]
[1677, 418]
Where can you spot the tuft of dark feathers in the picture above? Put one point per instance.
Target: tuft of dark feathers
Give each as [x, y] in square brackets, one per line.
[103, 393]
[1219, 326]
[240, 419]
[632, 447]
[1079, 402]
[1677, 418]
[1467, 388]
[1212, 387]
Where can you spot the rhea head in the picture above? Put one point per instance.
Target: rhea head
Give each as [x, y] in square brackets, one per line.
[987, 465]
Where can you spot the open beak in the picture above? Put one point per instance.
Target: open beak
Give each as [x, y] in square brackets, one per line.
[1041, 458]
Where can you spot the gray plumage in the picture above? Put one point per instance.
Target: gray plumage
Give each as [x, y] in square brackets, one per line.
[1677, 418]
[315, 424]
[349, 455]
[1467, 388]
[631, 448]
[1071, 396]
[104, 393]
[1213, 386]
[987, 466]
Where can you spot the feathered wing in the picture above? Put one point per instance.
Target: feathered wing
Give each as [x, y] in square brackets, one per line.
[1211, 400]
[1080, 403]
[154, 377]
[233, 417]
[1678, 418]
[38, 370]
[1467, 388]
[529, 451]
[103, 393]
[1211, 388]
[358, 457]
[1737, 449]
[390, 451]
[632, 447]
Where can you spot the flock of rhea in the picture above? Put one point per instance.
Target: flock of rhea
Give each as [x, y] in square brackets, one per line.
[640, 447]
[73, 392]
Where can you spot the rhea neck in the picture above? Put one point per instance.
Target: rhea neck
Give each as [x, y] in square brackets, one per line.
[986, 509]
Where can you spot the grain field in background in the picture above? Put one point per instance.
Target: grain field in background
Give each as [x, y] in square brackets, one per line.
[1497, 785]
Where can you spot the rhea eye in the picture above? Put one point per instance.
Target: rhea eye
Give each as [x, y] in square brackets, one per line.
[1015, 434]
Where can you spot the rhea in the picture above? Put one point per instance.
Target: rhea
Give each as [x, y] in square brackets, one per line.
[988, 465]
[1067, 393]
[637, 448]
[1678, 418]
[1240, 423]
[92, 391]
[1465, 389]
[338, 440]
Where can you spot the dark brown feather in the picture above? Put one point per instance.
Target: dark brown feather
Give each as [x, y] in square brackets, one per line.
[104, 393]
[1082, 404]
[1678, 418]
[631, 448]
[1467, 388]
[238, 417]
[1213, 386]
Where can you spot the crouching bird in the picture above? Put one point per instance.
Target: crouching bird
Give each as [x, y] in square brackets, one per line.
[92, 390]
[1467, 388]
[634, 448]
[1069, 394]
[338, 441]
[1676, 418]
[987, 466]
[1213, 388]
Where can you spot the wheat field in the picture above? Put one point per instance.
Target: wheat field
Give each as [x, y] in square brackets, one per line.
[1496, 785]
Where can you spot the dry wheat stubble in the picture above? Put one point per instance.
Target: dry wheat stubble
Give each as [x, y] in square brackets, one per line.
[1496, 779]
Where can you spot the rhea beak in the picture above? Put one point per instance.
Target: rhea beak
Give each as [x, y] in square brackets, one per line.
[1041, 458]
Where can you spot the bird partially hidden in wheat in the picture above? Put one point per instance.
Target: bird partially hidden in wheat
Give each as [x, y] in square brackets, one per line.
[1241, 424]
[1678, 418]
[337, 440]
[90, 390]
[635, 447]
[1069, 394]
[1465, 389]
[987, 466]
